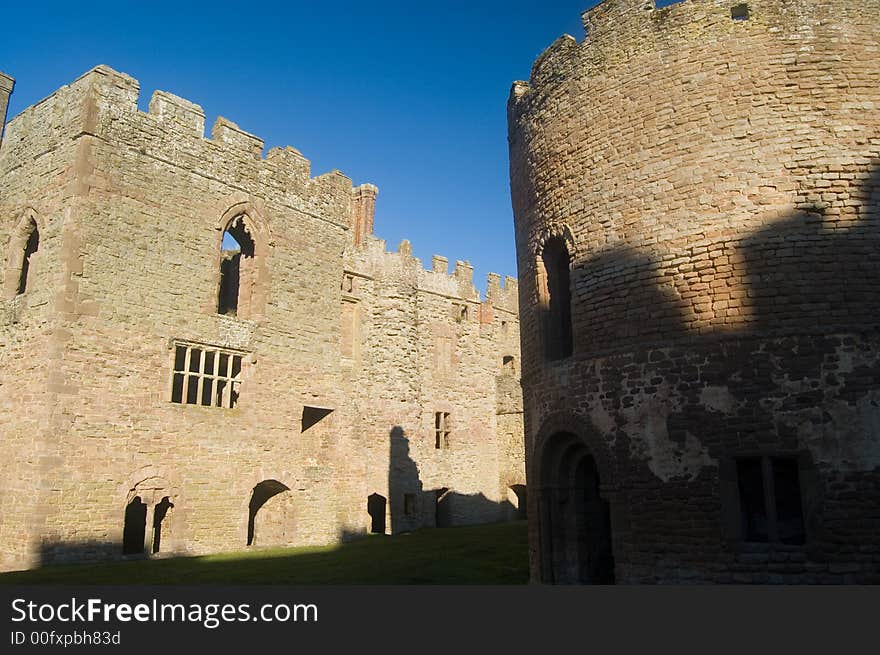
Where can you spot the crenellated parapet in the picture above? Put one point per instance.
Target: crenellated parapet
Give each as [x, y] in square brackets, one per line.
[103, 103]
[374, 260]
[504, 294]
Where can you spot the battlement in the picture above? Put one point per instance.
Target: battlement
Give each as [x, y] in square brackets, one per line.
[617, 31]
[104, 102]
[377, 261]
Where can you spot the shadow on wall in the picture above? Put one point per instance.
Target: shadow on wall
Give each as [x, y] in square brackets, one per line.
[813, 271]
[452, 508]
[64, 552]
[411, 506]
[762, 370]
[405, 504]
[270, 514]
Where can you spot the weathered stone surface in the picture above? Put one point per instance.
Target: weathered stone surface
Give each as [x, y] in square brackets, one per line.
[715, 182]
[347, 351]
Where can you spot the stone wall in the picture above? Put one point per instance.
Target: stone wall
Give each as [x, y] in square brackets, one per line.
[6, 85]
[338, 383]
[713, 171]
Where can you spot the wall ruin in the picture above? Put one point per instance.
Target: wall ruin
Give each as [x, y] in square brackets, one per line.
[133, 391]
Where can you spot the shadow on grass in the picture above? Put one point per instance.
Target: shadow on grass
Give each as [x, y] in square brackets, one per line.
[485, 554]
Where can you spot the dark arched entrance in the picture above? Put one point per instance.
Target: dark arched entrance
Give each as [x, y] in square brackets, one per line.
[575, 521]
[376, 508]
[135, 530]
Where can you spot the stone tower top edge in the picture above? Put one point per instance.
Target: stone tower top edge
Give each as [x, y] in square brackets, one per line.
[6, 82]
[617, 30]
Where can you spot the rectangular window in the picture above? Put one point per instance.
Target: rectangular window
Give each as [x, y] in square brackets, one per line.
[770, 500]
[205, 376]
[441, 430]
[409, 504]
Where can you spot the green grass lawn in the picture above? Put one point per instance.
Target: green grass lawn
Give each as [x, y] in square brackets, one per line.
[485, 554]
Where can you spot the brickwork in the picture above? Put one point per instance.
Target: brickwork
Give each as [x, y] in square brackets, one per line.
[346, 351]
[715, 179]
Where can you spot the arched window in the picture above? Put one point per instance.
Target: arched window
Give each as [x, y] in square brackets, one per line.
[555, 298]
[238, 270]
[508, 365]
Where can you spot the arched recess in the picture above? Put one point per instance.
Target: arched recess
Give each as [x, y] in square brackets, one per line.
[242, 271]
[149, 519]
[553, 257]
[270, 515]
[22, 253]
[571, 470]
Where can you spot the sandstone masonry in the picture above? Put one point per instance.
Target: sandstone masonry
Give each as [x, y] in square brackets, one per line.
[205, 349]
[696, 192]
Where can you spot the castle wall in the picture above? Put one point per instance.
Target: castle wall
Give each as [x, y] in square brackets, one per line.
[429, 345]
[715, 181]
[38, 164]
[129, 270]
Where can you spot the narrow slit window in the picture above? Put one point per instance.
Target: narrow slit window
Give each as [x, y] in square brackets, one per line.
[30, 247]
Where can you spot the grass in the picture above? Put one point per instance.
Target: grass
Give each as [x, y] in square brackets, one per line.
[485, 554]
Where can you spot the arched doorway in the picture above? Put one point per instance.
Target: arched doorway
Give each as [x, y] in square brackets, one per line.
[574, 521]
[134, 531]
[149, 525]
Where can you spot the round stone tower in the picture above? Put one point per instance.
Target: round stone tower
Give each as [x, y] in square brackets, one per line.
[696, 192]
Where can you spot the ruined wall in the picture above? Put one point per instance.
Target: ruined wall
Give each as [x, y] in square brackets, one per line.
[132, 208]
[428, 345]
[713, 168]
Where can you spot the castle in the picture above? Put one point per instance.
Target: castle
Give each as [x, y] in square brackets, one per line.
[696, 192]
[203, 348]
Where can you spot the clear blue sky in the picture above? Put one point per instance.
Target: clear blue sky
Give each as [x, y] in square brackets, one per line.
[410, 96]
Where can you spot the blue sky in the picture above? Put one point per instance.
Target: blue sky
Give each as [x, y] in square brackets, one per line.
[410, 96]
